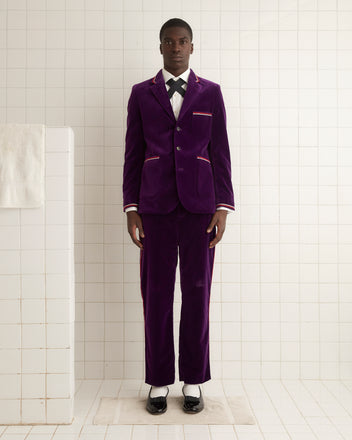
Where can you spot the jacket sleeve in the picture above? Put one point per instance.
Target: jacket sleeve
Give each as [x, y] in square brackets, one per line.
[134, 153]
[220, 156]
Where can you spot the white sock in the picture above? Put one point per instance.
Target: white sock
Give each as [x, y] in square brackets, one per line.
[158, 391]
[191, 390]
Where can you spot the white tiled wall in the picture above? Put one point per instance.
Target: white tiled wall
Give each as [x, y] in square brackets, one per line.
[37, 297]
[281, 303]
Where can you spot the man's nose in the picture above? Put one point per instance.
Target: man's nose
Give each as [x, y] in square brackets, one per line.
[176, 47]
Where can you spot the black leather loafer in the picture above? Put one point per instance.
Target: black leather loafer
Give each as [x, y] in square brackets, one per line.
[157, 405]
[193, 404]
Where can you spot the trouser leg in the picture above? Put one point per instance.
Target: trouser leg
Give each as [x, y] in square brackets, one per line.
[196, 268]
[158, 267]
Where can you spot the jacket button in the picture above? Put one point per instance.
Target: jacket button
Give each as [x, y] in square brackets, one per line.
[178, 148]
[178, 128]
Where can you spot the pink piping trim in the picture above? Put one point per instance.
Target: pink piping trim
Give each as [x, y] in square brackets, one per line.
[203, 158]
[224, 204]
[203, 114]
[152, 158]
[131, 204]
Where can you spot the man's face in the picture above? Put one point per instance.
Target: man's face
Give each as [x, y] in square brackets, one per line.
[176, 48]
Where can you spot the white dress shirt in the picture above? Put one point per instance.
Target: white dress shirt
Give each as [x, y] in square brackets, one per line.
[176, 99]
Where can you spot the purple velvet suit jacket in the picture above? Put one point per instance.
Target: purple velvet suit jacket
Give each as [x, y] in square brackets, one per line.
[169, 161]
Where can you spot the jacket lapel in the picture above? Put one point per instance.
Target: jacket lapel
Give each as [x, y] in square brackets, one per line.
[159, 90]
[191, 93]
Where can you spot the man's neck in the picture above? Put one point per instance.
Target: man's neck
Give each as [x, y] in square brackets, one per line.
[176, 73]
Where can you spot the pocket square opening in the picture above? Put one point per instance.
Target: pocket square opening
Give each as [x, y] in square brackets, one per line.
[202, 114]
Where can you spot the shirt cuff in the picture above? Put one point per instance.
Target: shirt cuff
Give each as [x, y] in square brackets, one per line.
[225, 207]
[131, 207]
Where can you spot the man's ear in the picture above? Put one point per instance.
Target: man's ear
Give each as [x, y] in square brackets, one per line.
[191, 47]
[161, 50]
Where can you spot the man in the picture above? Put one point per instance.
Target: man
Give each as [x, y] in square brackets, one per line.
[177, 192]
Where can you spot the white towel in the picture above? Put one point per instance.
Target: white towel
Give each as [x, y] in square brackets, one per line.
[21, 165]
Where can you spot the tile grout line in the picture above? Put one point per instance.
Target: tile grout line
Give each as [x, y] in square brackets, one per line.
[279, 197]
[221, 249]
[296, 405]
[339, 373]
[239, 190]
[348, 411]
[104, 197]
[279, 381]
[319, 381]
[250, 405]
[117, 394]
[124, 216]
[299, 208]
[317, 195]
[45, 244]
[261, 344]
[84, 262]
[90, 407]
[224, 392]
[324, 383]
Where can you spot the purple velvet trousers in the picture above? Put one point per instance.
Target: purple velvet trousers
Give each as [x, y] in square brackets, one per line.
[179, 233]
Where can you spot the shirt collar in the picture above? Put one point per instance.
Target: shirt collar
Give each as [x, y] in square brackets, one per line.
[167, 75]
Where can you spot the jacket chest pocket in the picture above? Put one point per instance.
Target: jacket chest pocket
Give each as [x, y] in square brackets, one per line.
[201, 124]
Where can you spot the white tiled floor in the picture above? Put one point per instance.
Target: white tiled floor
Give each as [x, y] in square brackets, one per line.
[287, 409]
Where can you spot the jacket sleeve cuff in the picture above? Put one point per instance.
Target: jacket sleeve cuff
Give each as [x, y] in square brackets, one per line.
[130, 207]
[225, 207]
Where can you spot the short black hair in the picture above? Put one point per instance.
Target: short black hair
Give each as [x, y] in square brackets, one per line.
[175, 22]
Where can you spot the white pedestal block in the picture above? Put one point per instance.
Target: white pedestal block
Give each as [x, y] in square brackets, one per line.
[37, 297]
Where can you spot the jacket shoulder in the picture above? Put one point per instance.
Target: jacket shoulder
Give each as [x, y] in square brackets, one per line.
[142, 85]
[207, 83]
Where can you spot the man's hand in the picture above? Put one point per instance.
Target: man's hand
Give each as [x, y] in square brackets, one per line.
[134, 222]
[219, 221]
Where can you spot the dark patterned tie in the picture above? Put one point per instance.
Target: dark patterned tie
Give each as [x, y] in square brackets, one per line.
[176, 86]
